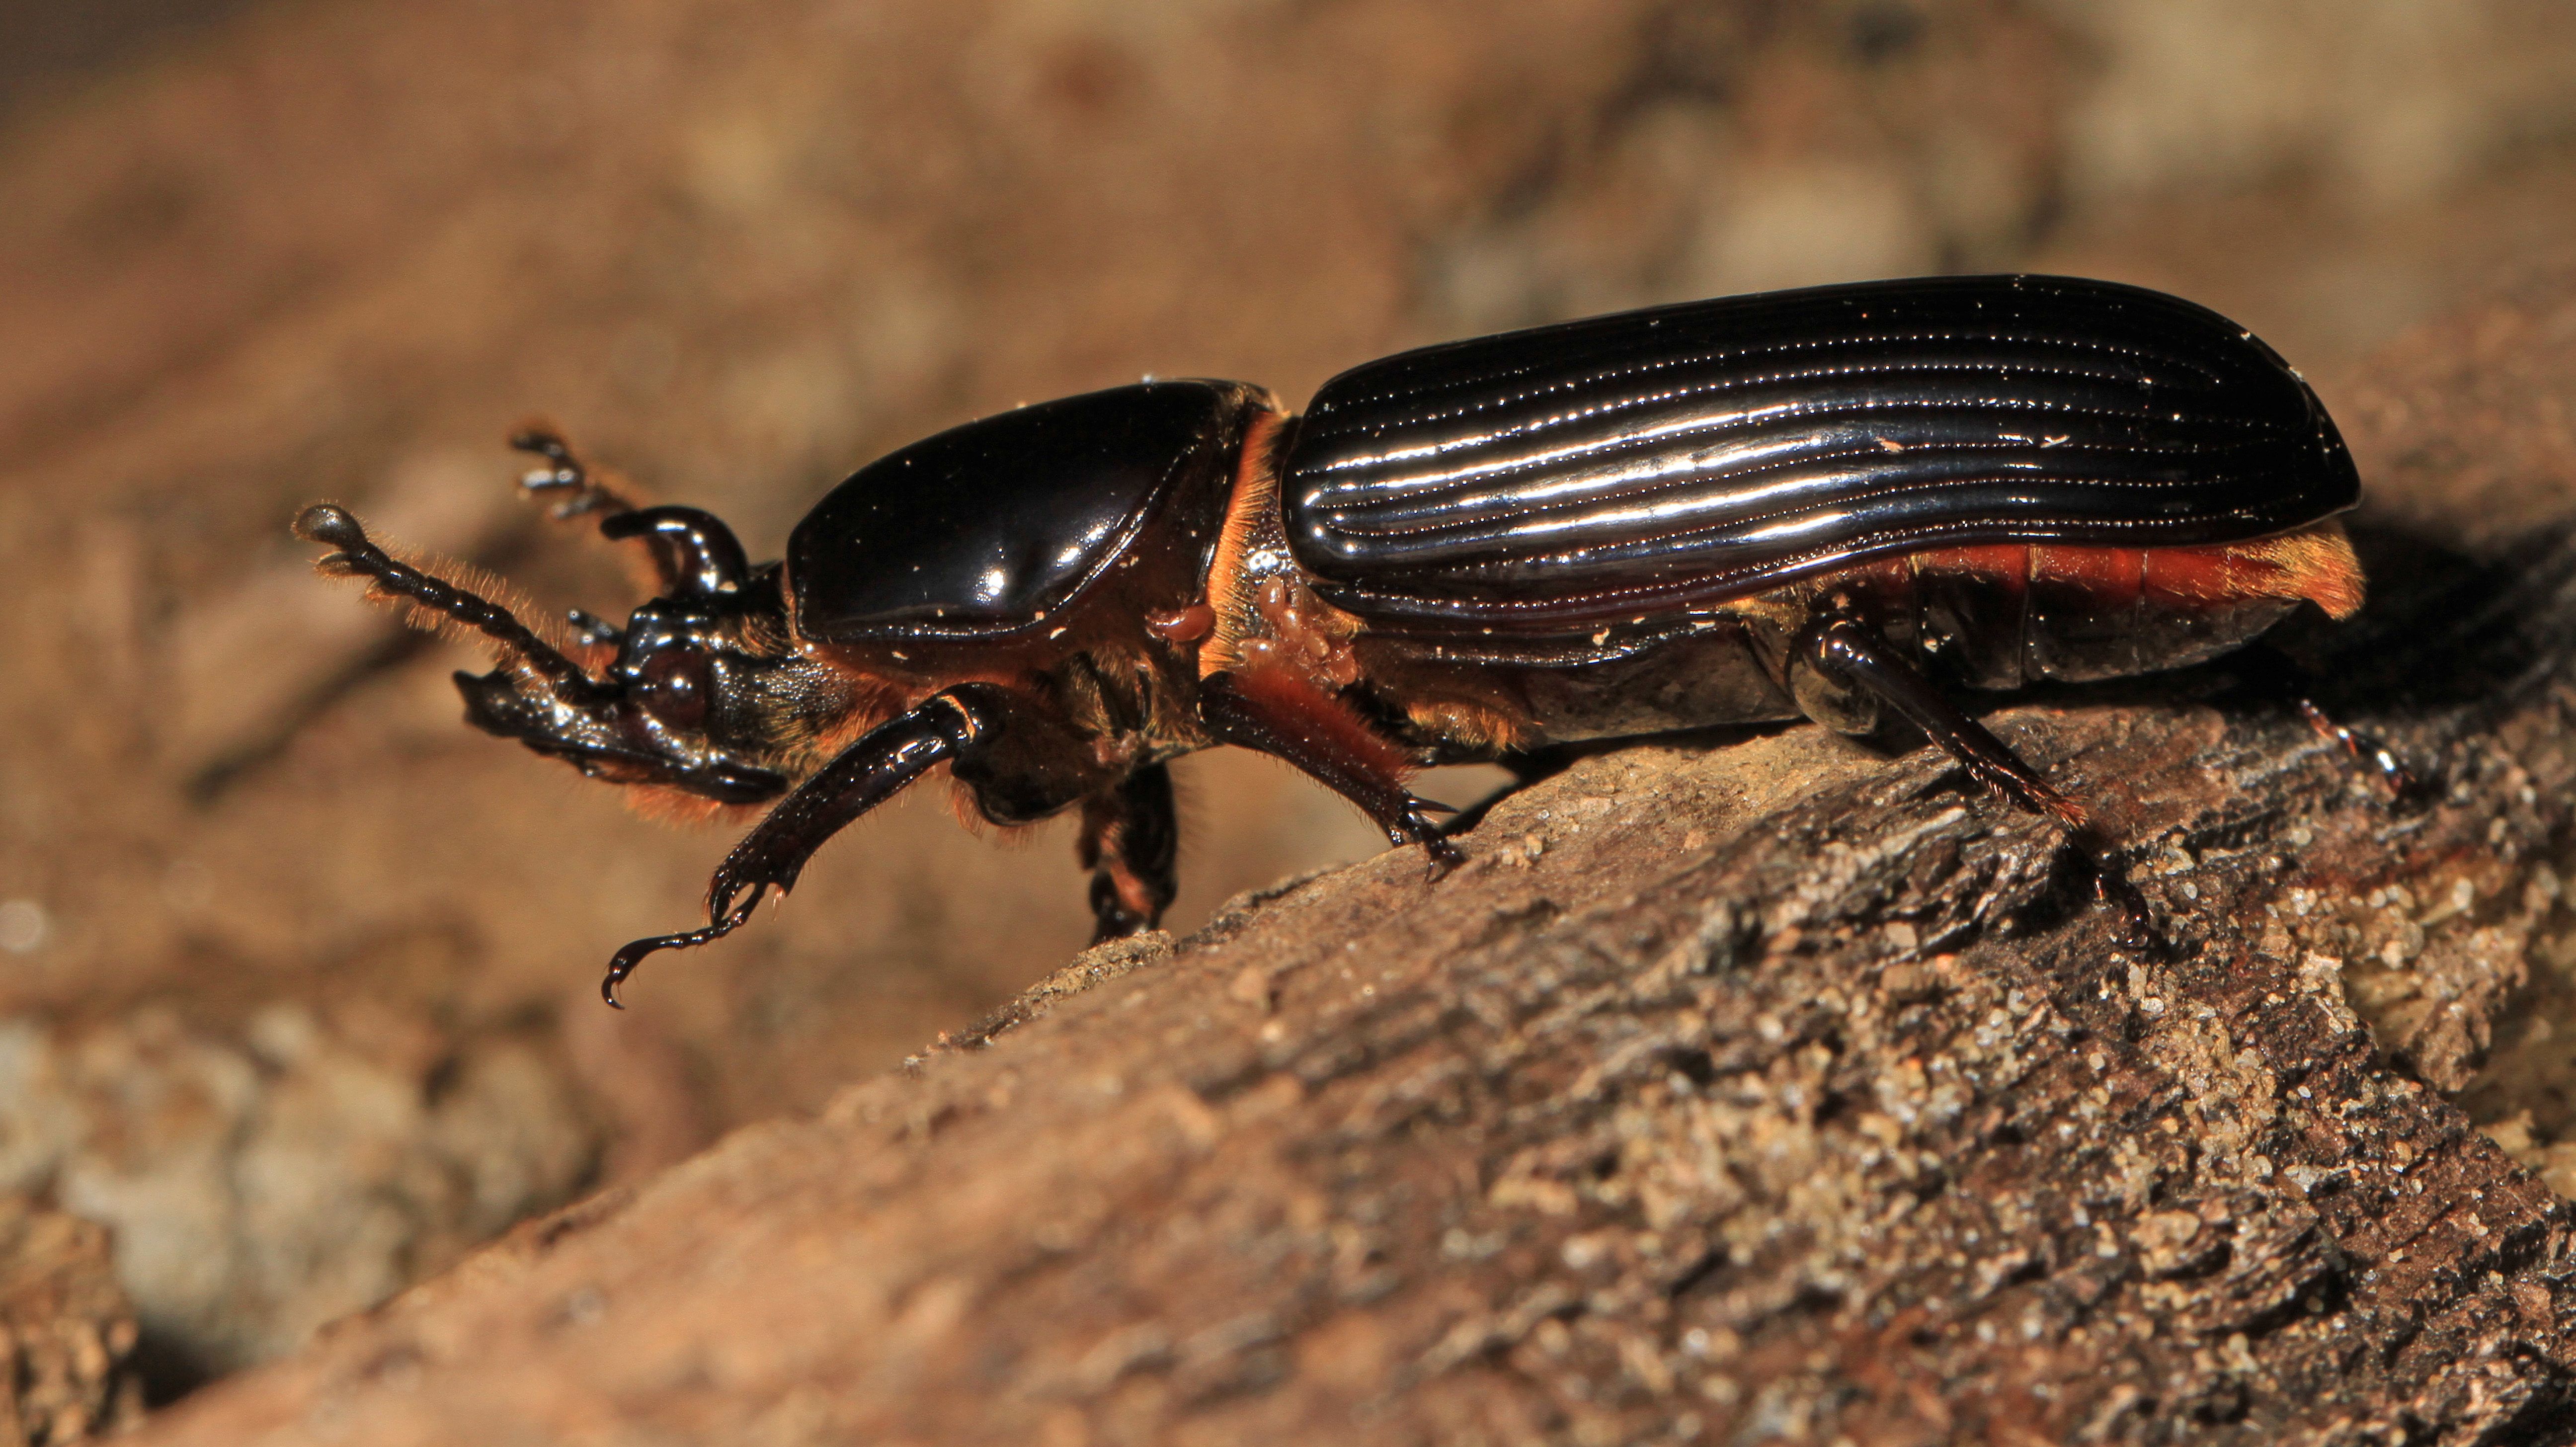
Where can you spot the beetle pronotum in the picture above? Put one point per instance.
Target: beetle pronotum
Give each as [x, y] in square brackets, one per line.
[1752, 508]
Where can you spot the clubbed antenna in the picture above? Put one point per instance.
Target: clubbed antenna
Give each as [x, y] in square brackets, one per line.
[565, 473]
[359, 557]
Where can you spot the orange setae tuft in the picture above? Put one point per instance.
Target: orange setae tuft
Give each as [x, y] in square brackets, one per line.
[2315, 563]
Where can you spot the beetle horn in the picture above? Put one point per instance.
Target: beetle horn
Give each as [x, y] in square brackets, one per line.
[357, 556]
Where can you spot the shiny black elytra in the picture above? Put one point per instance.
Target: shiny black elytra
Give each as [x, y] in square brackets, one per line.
[1809, 502]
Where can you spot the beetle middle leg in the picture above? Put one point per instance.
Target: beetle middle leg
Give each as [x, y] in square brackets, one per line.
[1845, 652]
[1287, 718]
[1131, 844]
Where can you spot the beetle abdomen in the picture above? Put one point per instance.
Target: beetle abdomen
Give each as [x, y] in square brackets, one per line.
[2002, 616]
[1675, 457]
[1995, 616]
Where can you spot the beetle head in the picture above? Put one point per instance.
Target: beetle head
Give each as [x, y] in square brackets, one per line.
[679, 707]
[686, 702]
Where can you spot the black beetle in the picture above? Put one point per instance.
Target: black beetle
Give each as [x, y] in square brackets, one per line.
[1726, 511]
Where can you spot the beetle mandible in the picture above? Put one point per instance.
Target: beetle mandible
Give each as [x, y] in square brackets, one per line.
[1752, 508]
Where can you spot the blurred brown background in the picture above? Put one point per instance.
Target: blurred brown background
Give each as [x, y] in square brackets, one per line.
[299, 973]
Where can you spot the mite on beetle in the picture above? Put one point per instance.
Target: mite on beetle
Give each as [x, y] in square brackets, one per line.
[1751, 508]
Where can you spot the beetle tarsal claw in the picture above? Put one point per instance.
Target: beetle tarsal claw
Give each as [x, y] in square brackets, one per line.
[2136, 920]
[725, 914]
[565, 473]
[1445, 856]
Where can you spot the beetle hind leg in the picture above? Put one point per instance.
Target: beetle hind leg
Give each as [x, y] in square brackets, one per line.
[2276, 675]
[2364, 749]
[1846, 653]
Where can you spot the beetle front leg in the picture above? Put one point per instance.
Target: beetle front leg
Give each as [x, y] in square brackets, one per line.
[1131, 844]
[1844, 651]
[574, 487]
[1290, 719]
[694, 553]
[957, 724]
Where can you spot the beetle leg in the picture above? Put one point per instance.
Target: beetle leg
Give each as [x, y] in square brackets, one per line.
[581, 493]
[2277, 674]
[1281, 715]
[2365, 749]
[1131, 844]
[694, 553]
[1846, 650]
[593, 631]
[958, 723]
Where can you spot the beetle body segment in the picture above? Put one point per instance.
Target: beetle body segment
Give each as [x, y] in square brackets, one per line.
[1994, 617]
[1680, 455]
[1723, 512]
[991, 529]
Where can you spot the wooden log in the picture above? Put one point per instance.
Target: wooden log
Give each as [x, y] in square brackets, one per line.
[67, 1333]
[1737, 1090]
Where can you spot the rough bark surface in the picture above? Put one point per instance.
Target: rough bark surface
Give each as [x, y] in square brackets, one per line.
[296, 973]
[67, 1333]
[1737, 1090]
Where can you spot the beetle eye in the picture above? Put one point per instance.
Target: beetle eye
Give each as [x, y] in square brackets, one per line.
[674, 687]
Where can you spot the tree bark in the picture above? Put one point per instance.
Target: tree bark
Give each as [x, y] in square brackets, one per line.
[67, 1333]
[1764, 1088]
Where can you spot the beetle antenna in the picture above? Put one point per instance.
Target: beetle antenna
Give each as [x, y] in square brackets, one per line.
[565, 473]
[357, 556]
